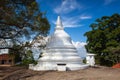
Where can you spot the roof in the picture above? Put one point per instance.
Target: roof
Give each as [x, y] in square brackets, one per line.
[116, 65]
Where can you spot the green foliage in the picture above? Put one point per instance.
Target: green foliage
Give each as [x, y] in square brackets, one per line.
[17, 51]
[84, 60]
[22, 54]
[20, 19]
[104, 40]
[28, 58]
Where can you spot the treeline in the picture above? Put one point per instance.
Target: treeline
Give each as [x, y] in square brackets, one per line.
[104, 40]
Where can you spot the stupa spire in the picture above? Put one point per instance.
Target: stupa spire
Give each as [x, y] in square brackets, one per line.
[59, 24]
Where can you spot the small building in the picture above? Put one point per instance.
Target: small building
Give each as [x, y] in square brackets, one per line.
[5, 58]
[90, 60]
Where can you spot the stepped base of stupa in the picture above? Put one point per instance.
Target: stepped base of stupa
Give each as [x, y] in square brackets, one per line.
[44, 66]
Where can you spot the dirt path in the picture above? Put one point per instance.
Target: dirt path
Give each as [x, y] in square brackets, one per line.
[21, 73]
[6, 71]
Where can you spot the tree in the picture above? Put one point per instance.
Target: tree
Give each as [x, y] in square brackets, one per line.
[28, 58]
[22, 53]
[17, 51]
[21, 19]
[104, 39]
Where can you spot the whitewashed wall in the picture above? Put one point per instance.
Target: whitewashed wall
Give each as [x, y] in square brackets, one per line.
[4, 51]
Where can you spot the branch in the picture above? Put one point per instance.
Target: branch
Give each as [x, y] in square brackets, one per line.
[11, 24]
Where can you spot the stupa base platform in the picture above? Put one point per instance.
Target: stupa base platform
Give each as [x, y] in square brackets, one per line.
[70, 67]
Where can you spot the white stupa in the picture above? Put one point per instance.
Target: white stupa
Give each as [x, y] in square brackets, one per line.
[59, 50]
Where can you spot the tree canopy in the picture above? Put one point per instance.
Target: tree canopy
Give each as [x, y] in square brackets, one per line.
[104, 39]
[22, 19]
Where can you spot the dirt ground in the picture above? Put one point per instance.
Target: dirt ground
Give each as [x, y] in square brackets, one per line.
[96, 73]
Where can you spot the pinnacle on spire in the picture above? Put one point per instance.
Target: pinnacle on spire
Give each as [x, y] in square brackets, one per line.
[59, 23]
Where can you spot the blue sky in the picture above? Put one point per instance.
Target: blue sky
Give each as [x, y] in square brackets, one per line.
[77, 15]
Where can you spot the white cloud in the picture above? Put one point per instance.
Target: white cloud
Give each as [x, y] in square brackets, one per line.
[107, 2]
[80, 48]
[70, 21]
[72, 25]
[73, 21]
[85, 17]
[67, 6]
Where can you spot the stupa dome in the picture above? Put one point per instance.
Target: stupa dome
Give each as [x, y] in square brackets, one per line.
[60, 37]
